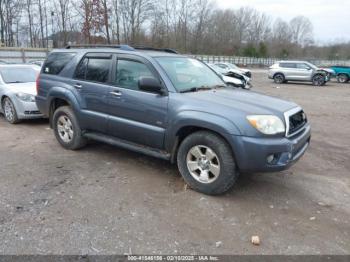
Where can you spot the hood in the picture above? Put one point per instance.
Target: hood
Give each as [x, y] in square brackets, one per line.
[27, 88]
[226, 101]
[232, 80]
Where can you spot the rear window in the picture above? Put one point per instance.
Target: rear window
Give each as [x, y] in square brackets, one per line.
[55, 62]
[288, 65]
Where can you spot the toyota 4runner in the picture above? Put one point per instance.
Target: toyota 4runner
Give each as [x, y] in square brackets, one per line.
[169, 106]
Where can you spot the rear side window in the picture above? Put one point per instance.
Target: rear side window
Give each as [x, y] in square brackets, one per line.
[94, 69]
[288, 65]
[55, 62]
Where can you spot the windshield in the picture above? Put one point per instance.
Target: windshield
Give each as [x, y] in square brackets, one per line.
[311, 65]
[218, 69]
[187, 73]
[232, 66]
[18, 75]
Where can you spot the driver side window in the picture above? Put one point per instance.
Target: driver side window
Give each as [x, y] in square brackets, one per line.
[303, 66]
[129, 72]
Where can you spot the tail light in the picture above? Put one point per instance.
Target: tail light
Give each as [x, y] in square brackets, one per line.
[37, 84]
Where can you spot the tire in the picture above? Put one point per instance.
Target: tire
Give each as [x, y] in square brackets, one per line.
[9, 110]
[279, 78]
[318, 80]
[67, 129]
[342, 78]
[220, 171]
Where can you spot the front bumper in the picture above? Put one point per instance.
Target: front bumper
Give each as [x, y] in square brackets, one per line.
[252, 153]
[27, 110]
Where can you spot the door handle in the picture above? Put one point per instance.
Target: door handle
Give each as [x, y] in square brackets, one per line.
[78, 86]
[115, 93]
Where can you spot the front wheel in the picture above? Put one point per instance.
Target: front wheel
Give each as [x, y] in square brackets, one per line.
[9, 110]
[318, 80]
[206, 163]
[67, 129]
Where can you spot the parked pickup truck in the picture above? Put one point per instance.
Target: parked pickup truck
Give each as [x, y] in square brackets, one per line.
[342, 73]
[169, 106]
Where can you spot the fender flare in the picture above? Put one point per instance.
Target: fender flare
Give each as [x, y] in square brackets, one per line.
[202, 120]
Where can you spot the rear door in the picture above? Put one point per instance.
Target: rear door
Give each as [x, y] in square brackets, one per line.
[135, 115]
[289, 70]
[92, 81]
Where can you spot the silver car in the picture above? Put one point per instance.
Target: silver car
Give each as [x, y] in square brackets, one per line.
[284, 71]
[233, 67]
[17, 92]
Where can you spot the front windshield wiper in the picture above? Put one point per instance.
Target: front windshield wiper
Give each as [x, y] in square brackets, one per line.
[15, 82]
[195, 89]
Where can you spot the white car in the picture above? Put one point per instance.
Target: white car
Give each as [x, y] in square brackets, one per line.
[17, 92]
[234, 68]
[232, 77]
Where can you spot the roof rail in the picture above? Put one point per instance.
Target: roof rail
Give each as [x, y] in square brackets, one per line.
[121, 47]
[125, 48]
[167, 50]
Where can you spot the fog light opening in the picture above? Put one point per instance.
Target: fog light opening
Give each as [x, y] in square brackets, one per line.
[271, 158]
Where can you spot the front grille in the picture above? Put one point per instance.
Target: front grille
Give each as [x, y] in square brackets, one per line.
[296, 122]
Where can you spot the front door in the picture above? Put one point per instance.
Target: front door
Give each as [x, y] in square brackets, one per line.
[134, 115]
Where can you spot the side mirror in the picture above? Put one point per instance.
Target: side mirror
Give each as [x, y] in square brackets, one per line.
[151, 85]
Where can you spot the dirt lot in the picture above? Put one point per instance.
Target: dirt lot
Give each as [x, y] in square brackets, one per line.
[104, 200]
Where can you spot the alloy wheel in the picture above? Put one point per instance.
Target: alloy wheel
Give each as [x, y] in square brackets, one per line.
[203, 164]
[9, 110]
[65, 129]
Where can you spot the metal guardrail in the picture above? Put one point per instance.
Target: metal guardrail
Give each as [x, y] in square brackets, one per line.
[24, 55]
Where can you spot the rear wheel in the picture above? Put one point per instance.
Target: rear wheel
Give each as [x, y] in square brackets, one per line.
[206, 163]
[9, 110]
[318, 80]
[342, 78]
[279, 78]
[67, 129]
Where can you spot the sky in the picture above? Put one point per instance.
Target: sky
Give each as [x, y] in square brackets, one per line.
[330, 18]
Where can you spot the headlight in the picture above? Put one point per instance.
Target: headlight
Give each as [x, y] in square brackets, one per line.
[26, 97]
[267, 124]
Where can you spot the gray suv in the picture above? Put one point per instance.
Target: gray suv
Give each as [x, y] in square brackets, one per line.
[170, 106]
[284, 71]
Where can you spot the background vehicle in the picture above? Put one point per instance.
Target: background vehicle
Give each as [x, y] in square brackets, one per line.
[230, 66]
[342, 73]
[169, 106]
[232, 78]
[17, 92]
[284, 71]
[37, 62]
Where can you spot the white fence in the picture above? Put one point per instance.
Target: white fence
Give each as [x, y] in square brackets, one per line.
[24, 55]
[264, 62]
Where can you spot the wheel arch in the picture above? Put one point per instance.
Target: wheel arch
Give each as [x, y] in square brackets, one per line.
[185, 127]
[58, 98]
[279, 73]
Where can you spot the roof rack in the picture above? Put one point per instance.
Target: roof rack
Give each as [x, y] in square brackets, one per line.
[125, 48]
[147, 48]
[121, 47]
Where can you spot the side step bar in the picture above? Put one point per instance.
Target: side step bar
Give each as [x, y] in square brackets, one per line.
[127, 145]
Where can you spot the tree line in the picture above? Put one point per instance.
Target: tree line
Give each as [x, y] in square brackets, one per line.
[189, 26]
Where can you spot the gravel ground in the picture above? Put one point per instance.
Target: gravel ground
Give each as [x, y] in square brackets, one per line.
[104, 200]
